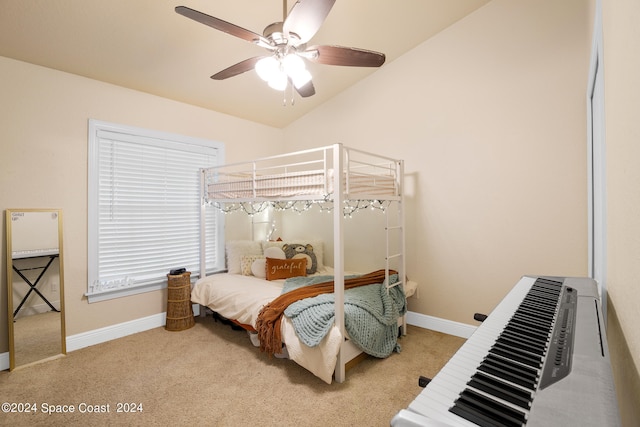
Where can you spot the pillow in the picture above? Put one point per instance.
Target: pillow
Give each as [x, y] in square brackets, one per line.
[246, 261]
[275, 252]
[237, 248]
[315, 244]
[259, 268]
[285, 268]
[298, 250]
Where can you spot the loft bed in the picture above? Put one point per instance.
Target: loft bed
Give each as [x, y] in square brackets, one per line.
[336, 178]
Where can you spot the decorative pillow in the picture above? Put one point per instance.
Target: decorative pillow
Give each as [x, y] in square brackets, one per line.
[285, 268]
[259, 268]
[315, 244]
[237, 248]
[275, 252]
[245, 263]
[297, 250]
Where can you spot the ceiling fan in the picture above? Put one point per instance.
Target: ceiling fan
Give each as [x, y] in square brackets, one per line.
[287, 45]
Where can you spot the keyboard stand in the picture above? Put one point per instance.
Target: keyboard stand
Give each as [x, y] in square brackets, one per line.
[33, 286]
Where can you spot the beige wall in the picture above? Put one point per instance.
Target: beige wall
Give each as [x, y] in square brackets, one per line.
[489, 116]
[621, 38]
[43, 163]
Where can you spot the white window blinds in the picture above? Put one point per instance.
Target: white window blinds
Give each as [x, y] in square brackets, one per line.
[144, 209]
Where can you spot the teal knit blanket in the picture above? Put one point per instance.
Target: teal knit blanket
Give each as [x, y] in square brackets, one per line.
[371, 315]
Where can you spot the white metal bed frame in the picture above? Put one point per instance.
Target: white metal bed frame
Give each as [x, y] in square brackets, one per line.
[338, 167]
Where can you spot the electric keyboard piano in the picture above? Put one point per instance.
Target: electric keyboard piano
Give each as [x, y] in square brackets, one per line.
[539, 359]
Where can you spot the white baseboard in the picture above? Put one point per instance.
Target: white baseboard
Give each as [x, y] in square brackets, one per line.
[97, 336]
[108, 333]
[440, 325]
[4, 361]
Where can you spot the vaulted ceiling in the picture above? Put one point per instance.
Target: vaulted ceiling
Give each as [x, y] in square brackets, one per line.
[145, 45]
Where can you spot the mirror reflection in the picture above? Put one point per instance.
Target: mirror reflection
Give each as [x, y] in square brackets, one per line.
[35, 285]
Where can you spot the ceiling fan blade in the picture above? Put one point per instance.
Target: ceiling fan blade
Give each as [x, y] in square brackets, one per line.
[307, 90]
[239, 68]
[221, 25]
[306, 17]
[347, 56]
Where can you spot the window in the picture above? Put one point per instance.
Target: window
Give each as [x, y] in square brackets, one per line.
[145, 209]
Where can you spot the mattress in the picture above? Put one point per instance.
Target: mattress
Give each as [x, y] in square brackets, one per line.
[296, 184]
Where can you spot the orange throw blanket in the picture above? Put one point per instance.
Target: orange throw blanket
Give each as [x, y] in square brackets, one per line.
[270, 317]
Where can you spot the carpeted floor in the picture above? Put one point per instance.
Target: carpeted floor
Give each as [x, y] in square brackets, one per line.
[211, 375]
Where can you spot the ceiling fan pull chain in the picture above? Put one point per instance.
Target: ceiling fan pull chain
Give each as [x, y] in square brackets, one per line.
[293, 95]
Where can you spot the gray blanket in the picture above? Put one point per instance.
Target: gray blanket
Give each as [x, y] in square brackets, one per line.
[371, 315]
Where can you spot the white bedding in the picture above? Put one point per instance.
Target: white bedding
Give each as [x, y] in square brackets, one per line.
[241, 298]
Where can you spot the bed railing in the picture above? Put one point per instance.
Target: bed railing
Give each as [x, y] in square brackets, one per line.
[304, 175]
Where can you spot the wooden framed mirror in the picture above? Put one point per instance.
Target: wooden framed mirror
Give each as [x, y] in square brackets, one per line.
[35, 286]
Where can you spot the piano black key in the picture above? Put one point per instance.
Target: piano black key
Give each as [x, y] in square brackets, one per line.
[543, 290]
[490, 412]
[509, 370]
[542, 281]
[539, 342]
[542, 327]
[544, 314]
[523, 329]
[538, 308]
[502, 390]
[522, 358]
[526, 312]
[538, 290]
[510, 341]
[532, 320]
[543, 294]
[463, 411]
[541, 299]
[517, 351]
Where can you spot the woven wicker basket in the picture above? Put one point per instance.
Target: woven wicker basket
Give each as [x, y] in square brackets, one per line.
[179, 310]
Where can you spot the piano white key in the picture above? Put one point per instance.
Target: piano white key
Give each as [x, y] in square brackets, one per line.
[445, 388]
[441, 393]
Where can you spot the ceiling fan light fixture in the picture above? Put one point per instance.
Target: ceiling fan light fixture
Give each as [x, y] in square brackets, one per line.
[300, 78]
[267, 68]
[292, 63]
[295, 68]
[279, 81]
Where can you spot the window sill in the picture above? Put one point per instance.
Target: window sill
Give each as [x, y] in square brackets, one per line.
[123, 292]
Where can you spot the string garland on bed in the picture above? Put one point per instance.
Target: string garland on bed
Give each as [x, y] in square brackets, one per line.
[300, 206]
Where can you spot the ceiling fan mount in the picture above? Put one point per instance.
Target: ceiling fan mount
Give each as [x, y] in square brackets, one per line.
[275, 33]
[287, 45]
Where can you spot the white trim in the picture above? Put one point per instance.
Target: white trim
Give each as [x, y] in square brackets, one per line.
[108, 333]
[440, 325]
[596, 152]
[123, 292]
[4, 361]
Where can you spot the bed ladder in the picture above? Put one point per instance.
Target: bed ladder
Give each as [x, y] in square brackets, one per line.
[395, 237]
